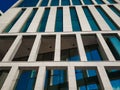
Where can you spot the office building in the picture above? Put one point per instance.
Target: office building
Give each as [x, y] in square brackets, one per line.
[60, 45]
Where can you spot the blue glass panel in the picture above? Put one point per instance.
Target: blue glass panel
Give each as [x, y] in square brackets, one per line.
[29, 20]
[108, 20]
[115, 84]
[99, 1]
[14, 21]
[43, 21]
[28, 3]
[92, 87]
[91, 73]
[58, 77]
[74, 20]
[111, 1]
[59, 20]
[76, 2]
[44, 2]
[74, 58]
[96, 55]
[79, 74]
[54, 3]
[91, 19]
[115, 10]
[116, 44]
[65, 2]
[26, 80]
[93, 55]
[87, 2]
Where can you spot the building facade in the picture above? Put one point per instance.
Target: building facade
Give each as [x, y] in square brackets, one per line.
[60, 45]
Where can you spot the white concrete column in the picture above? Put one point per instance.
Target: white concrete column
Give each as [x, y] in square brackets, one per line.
[71, 2]
[5, 21]
[39, 2]
[50, 26]
[100, 21]
[83, 20]
[105, 47]
[94, 2]
[117, 6]
[35, 49]
[81, 48]
[57, 48]
[72, 78]
[118, 1]
[103, 78]
[21, 21]
[36, 20]
[49, 2]
[82, 2]
[11, 79]
[118, 34]
[105, 1]
[113, 16]
[13, 49]
[59, 2]
[67, 25]
[40, 80]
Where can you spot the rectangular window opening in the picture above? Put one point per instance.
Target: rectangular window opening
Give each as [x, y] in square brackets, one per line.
[26, 79]
[93, 50]
[47, 48]
[3, 75]
[65, 2]
[24, 49]
[74, 20]
[44, 3]
[56, 79]
[5, 44]
[59, 20]
[87, 79]
[114, 77]
[69, 48]
[113, 42]
[43, 21]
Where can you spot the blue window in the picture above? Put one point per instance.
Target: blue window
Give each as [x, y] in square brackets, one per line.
[87, 2]
[44, 3]
[115, 10]
[14, 21]
[29, 20]
[111, 1]
[65, 2]
[54, 3]
[56, 80]
[74, 19]
[93, 55]
[108, 20]
[26, 80]
[43, 21]
[70, 55]
[87, 80]
[99, 1]
[59, 20]
[76, 2]
[28, 3]
[114, 78]
[91, 19]
[114, 45]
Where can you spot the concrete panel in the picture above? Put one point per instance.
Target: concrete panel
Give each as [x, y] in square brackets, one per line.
[67, 26]
[50, 27]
